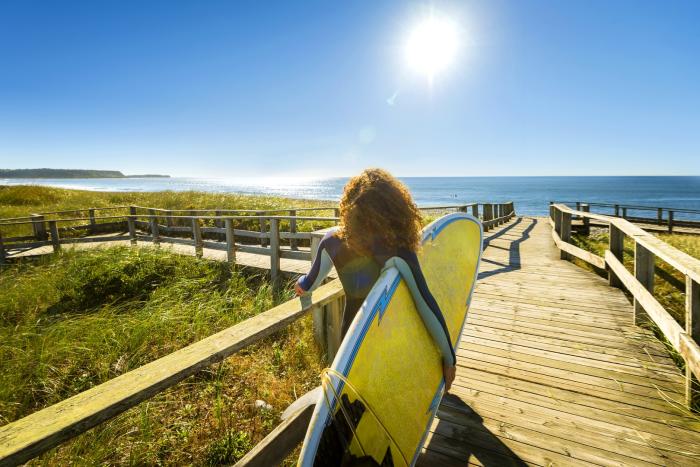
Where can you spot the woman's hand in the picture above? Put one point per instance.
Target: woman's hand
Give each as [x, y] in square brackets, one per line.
[298, 290]
[448, 372]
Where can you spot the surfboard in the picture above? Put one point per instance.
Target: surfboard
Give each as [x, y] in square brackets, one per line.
[384, 386]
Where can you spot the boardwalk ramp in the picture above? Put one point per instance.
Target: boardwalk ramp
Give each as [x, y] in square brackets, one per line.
[552, 370]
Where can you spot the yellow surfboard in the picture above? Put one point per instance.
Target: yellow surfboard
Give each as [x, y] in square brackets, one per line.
[385, 383]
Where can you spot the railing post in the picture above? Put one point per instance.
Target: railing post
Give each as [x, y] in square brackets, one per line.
[616, 244]
[318, 315]
[230, 241]
[488, 216]
[154, 230]
[624, 213]
[334, 323]
[197, 237]
[578, 205]
[670, 221]
[644, 273]
[169, 219]
[475, 210]
[3, 255]
[131, 220]
[274, 251]
[586, 221]
[692, 328]
[617, 210]
[659, 216]
[263, 229]
[293, 244]
[557, 221]
[132, 210]
[39, 227]
[91, 214]
[565, 233]
[55, 240]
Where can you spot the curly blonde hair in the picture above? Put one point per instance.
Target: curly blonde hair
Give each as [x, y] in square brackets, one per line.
[376, 207]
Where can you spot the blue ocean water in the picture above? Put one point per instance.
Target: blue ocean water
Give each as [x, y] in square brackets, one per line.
[530, 194]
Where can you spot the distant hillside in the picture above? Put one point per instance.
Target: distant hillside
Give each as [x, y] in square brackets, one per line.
[69, 173]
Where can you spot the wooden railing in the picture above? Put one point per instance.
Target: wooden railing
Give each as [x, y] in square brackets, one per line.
[217, 229]
[640, 283]
[660, 216]
[36, 433]
[30, 436]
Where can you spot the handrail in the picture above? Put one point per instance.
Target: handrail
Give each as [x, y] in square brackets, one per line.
[640, 284]
[630, 206]
[34, 434]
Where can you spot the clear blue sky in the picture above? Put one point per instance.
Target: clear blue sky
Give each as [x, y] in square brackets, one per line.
[236, 88]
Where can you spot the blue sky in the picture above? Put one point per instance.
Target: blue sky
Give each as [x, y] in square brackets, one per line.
[235, 89]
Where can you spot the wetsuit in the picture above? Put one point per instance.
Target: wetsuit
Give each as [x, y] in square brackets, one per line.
[358, 273]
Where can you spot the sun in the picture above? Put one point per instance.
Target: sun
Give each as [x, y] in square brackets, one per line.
[432, 45]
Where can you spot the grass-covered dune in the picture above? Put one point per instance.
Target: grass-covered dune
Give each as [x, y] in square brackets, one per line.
[76, 319]
[19, 200]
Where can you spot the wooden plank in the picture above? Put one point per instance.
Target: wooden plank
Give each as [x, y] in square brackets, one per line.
[579, 253]
[692, 330]
[644, 273]
[230, 241]
[30, 436]
[668, 431]
[586, 436]
[274, 251]
[281, 441]
[670, 328]
[55, 239]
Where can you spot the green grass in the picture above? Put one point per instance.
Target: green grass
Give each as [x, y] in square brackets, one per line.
[77, 319]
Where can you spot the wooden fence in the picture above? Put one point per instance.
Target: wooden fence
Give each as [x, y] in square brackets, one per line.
[276, 236]
[657, 216]
[640, 283]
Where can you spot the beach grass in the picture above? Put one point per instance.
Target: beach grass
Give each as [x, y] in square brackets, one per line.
[76, 319]
[22, 200]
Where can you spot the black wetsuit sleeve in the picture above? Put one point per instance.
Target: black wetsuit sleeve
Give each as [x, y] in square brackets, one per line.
[412, 260]
[322, 265]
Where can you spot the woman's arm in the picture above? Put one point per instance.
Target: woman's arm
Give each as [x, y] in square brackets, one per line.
[432, 316]
[322, 265]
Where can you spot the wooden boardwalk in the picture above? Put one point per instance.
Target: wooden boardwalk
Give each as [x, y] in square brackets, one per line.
[551, 370]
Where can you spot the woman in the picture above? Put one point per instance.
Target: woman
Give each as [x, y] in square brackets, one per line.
[379, 220]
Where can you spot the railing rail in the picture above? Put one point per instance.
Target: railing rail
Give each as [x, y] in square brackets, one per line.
[664, 216]
[200, 229]
[640, 283]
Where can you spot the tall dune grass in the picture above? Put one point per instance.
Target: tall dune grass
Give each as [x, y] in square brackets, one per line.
[78, 319]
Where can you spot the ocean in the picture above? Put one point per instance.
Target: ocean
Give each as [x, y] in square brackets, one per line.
[531, 195]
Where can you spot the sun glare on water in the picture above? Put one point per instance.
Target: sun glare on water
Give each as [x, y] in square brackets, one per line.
[432, 45]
